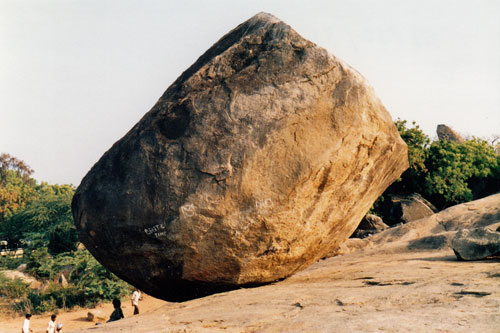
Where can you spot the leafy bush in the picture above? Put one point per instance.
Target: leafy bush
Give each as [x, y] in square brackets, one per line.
[16, 186]
[38, 216]
[37, 302]
[44, 222]
[89, 282]
[96, 282]
[445, 172]
[65, 297]
[453, 166]
[13, 288]
[9, 262]
[40, 264]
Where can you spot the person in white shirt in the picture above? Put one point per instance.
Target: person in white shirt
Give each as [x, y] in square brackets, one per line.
[136, 295]
[26, 324]
[51, 327]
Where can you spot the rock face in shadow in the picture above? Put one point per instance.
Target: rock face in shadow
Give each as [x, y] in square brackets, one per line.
[258, 160]
[369, 225]
[407, 208]
[476, 244]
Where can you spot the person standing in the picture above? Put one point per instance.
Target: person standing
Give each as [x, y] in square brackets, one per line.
[51, 326]
[136, 296]
[26, 324]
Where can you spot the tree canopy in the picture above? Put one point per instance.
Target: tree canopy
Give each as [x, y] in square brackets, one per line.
[38, 218]
[447, 172]
[16, 185]
[36, 215]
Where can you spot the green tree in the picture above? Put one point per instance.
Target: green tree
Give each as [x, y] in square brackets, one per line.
[418, 142]
[45, 221]
[95, 281]
[454, 167]
[445, 172]
[16, 186]
[10, 163]
[89, 282]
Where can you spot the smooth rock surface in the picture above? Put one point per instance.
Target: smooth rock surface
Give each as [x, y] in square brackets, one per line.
[476, 244]
[258, 160]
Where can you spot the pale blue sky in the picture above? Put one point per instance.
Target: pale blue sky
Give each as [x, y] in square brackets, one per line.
[75, 76]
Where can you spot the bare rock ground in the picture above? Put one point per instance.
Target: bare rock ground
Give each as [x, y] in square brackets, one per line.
[395, 282]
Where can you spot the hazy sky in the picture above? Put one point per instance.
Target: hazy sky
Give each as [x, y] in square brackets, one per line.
[75, 76]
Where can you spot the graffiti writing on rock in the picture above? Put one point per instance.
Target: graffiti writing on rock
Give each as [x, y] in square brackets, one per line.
[264, 204]
[188, 210]
[157, 230]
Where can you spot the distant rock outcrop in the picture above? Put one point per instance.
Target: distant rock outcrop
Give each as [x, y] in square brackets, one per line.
[258, 160]
[407, 208]
[446, 133]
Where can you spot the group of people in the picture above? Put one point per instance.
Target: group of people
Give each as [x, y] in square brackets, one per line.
[117, 314]
[117, 304]
[51, 326]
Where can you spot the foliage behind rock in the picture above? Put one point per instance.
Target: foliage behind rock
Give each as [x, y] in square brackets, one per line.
[445, 172]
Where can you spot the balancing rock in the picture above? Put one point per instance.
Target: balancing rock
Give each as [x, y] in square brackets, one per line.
[258, 160]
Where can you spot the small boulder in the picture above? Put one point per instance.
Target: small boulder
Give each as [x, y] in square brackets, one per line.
[407, 208]
[476, 244]
[63, 281]
[14, 274]
[446, 133]
[96, 315]
[370, 225]
[21, 268]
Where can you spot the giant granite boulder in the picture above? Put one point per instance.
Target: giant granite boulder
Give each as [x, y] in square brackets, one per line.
[258, 160]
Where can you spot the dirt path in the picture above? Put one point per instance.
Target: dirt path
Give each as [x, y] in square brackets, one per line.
[77, 319]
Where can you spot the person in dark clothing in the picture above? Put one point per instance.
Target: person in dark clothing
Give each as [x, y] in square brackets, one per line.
[117, 313]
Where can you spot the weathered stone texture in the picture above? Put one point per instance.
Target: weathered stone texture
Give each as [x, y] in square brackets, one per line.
[447, 133]
[476, 244]
[258, 160]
